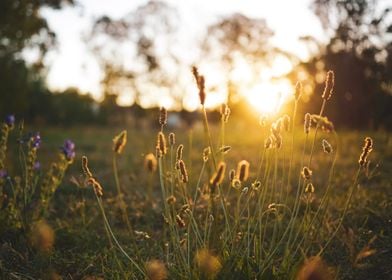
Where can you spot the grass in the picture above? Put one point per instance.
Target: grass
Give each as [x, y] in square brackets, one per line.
[300, 204]
[82, 249]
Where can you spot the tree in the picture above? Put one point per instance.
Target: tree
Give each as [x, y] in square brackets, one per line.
[22, 27]
[360, 53]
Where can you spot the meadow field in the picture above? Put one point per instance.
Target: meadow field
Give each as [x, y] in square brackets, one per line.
[152, 222]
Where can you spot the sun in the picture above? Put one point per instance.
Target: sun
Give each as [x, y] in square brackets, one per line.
[268, 96]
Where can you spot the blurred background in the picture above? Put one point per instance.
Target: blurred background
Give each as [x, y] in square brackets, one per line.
[68, 62]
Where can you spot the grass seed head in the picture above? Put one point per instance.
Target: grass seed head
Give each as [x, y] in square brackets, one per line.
[85, 168]
[232, 175]
[367, 148]
[225, 113]
[150, 163]
[161, 143]
[307, 123]
[329, 84]
[298, 91]
[183, 171]
[162, 116]
[172, 139]
[243, 170]
[96, 185]
[119, 142]
[286, 123]
[208, 264]
[200, 84]
[327, 148]
[179, 152]
[171, 200]
[206, 154]
[180, 221]
[156, 270]
[306, 173]
[219, 175]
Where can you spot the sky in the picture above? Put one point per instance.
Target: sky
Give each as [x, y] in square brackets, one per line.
[71, 64]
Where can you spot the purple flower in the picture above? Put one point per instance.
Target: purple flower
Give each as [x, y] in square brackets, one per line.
[36, 140]
[37, 165]
[3, 173]
[10, 120]
[68, 150]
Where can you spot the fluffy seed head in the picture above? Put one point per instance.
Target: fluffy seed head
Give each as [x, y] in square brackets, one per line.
[243, 170]
[150, 162]
[156, 270]
[119, 142]
[322, 122]
[162, 116]
[172, 139]
[329, 84]
[183, 171]
[306, 173]
[327, 148]
[217, 178]
[367, 148]
[42, 237]
[161, 143]
[208, 264]
[307, 123]
[298, 91]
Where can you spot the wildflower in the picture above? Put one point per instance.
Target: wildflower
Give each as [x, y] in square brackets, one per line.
[10, 120]
[3, 173]
[367, 148]
[217, 178]
[37, 165]
[161, 143]
[183, 171]
[329, 84]
[200, 84]
[156, 270]
[298, 91]
[306, 173]
[327, 148]
[35, 140]
[162, 116]
[119, 142]
[150, 162]
[243, 170]
[307, 123]
[172, 139]
[208, 264]
[68, 150]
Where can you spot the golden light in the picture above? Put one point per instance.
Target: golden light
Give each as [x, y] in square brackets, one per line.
[268, 96]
